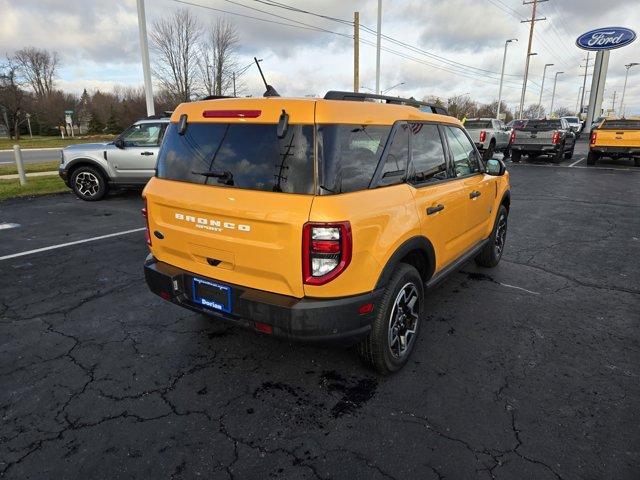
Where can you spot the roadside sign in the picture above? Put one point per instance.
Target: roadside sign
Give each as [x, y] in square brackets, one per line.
[68, 112]
[606, 38]
[67, 119]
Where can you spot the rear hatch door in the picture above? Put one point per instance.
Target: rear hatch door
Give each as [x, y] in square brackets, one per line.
[619, 133]
[243, 225]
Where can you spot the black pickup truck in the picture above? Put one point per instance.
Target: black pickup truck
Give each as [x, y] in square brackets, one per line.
[552, 137]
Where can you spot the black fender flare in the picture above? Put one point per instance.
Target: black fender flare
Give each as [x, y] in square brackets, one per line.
[418, 243]
[506, 199]
[79, 162]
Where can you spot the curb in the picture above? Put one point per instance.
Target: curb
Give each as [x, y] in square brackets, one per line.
[50, 149]
[13, 176]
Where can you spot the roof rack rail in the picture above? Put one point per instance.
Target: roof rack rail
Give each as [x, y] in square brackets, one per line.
[363, 97]
[215, 97]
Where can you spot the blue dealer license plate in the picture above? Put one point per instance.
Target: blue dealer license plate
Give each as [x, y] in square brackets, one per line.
[211, 295]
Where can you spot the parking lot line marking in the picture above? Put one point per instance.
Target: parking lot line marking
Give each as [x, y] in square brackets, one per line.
[7, 226]
[576, 162]
[77, 242]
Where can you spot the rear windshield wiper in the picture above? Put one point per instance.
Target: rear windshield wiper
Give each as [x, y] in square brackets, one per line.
[213, 173]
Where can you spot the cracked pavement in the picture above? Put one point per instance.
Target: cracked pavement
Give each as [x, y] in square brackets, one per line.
[100, 378]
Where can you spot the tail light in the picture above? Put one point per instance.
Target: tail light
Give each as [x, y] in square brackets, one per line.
[513, 137]
[556, 137]
[326, 251]
[483, 136]
[594, 135]
[145, 214]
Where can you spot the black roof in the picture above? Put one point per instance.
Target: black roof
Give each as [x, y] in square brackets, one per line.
[363, 97]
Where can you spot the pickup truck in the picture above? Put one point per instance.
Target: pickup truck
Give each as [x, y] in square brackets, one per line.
[489, 135]
[615, 138]
[551, 137]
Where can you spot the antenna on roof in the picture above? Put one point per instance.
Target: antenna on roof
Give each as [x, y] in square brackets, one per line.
[270, 92]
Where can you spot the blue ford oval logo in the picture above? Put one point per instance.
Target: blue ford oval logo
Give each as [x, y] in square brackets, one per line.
[606, 38]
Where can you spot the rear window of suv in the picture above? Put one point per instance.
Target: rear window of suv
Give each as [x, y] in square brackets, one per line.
[348, 156]
[248, 156]
[620, 125]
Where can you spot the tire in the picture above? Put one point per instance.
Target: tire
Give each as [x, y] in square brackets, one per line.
[507, 153]
[557, 158]
[636, 161]
[516, 156]
[378, 350]
[592, 158]
[491, 254]
[568, 155]
[488, 153]
[88, 183]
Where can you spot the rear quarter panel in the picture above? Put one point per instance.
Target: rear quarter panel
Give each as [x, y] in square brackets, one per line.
[381, 220]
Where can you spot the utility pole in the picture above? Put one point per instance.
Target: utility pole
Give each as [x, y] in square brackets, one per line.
[613, 103]
[526, 66]
[584, 82]
[578, 100]
[146, 67]
[627, 66]
[553, 95]
[378, 47]
[544, 73]
[504, 59]
[356, 51]
[234, 84]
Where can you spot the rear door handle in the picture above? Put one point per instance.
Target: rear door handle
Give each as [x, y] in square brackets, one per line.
[436, 209]
[146, 153]
[474, 194]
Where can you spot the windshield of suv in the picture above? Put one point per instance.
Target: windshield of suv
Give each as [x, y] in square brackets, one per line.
[572, 119]
[348, 155]
[469, 124]
[248, 156]
[542, 125]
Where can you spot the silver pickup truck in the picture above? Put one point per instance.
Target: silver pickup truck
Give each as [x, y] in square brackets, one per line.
[490, 135]
[90, 169]
[552, 137]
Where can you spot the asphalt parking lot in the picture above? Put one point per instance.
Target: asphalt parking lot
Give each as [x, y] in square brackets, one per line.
[526, 371]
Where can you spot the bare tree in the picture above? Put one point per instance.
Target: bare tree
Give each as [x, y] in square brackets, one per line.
[534, 110]
[563, 112]
[461, 106]
[218, 60]
[11, 97]
[175, 40]
[38, 67]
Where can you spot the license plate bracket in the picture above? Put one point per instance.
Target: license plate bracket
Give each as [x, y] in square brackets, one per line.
[213, 295]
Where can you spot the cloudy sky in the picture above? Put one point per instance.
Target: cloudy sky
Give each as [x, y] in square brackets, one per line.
[438, 47]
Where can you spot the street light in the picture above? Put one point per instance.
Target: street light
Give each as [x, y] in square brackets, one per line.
[627, 66]
[504, 59]
[553, 95]
[391, 88]
[544, 72]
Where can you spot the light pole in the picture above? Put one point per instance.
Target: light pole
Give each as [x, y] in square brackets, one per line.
[504, 59]
[144, 50]
[378, 46]
[553, 95]
[544, 73]
[627, 66]
[524, 84]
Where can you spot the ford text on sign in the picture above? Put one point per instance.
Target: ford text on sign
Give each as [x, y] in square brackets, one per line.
[606, 38]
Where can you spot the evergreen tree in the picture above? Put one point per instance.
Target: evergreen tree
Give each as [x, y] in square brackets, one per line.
[95, 126]
[113, 125]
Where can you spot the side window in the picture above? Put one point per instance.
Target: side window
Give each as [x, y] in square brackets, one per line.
[465, 158]
[428, 162]
[143, 135]
[396, 157]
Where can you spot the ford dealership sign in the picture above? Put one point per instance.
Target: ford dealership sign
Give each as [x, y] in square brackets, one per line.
[606, 38]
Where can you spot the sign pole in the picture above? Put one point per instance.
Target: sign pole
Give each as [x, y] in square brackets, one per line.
[597, 87]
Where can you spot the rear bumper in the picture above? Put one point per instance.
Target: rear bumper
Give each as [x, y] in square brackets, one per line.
[533, 147]
[617, 151]
[307, 319]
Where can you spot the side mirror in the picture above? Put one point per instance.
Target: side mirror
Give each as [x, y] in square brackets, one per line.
[119, 142]
[495, 167]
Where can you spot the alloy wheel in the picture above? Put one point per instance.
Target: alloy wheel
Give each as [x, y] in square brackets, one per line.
[403, 324]
[87, 184]
[501, 235]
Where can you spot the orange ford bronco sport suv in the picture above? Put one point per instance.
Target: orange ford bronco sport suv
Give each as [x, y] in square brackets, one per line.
[320, 219]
